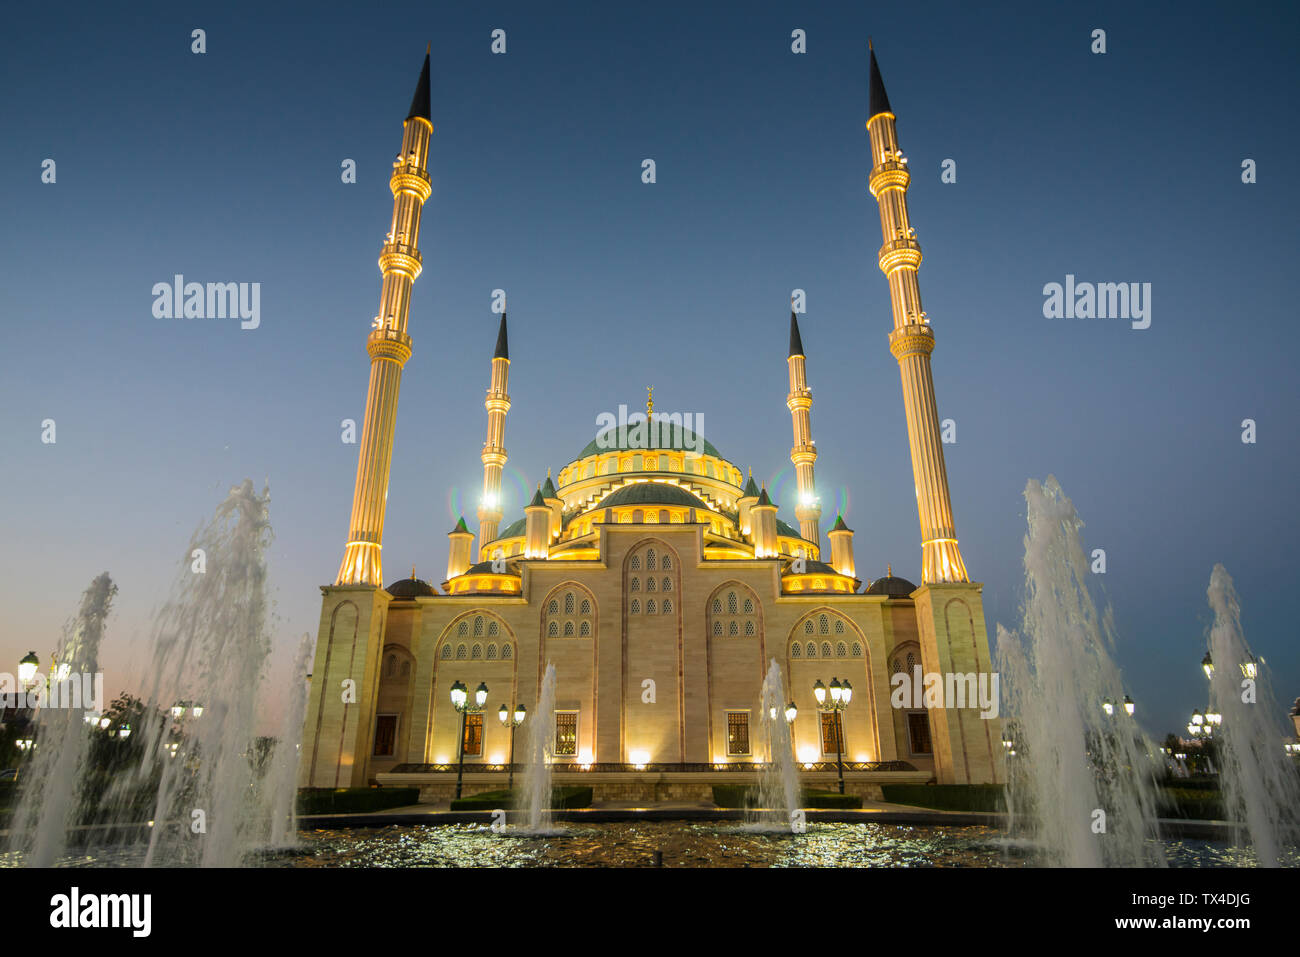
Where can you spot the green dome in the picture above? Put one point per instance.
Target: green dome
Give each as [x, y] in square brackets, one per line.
[651, 493]
[678, 440]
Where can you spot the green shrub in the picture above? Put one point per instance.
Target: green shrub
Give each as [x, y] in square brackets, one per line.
[947, 797]
[1195, 803]
[570, 796]
[743, 795]
[354, 800]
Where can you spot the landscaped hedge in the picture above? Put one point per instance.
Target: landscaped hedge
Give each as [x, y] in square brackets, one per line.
[742, 795]
[571, 796]
[947, 797]
[354, 800]
[1194, 803]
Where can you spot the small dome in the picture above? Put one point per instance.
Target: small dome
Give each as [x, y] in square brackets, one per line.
[410, 588]
[892, 587]
[651, 493]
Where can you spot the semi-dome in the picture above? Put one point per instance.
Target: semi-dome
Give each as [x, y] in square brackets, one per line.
[670, 437]
[651, 493]
[891, 587]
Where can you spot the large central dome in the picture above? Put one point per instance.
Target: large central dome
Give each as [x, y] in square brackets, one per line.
[674, 438]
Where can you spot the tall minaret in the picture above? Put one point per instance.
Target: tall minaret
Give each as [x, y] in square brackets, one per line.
[911, 342]
[494, 450]
[804, 453]
[389, 344]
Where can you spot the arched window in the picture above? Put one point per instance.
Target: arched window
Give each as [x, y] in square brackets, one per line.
[839, 627]
[731, 603]
[636, 607]
[492, 629]
[584, 630]
[749, 606]
[568, 629]
[650, 559]
[823, 625]
[808, 627]
[478, 627]
[911, 662]
[841, 650]
[810, 650]
[553, 629]
[506, 652]
[585, 607]
[668, 606]
[446, 652]
[650, 607]
[668, 584]
[717, 606]
[826, 649]
[796, 650]
[733, 629]
[717, 627]
[650, 583]
[476, 652]
[749, 628]
[898, 665]
[667, 562]
[636, 563]
[857, 650]
[463, 628]
[461, 652]
[568, 603]
[636, 584]
[492, 652]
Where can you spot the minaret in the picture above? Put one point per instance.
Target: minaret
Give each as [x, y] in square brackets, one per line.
[494, 450]
[911, 342]
[804, 453]
[389, 344]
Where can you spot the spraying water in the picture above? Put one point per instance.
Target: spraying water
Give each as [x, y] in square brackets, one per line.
[536, 798]
[54, 795]
[1081, 784]
[1258, 783]
[778, 779]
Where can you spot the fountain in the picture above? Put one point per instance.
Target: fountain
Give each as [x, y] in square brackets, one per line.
[1081, 779]
[1257, 780]
[778, 779]
[535, 798]
[211, 790]
[54, 796]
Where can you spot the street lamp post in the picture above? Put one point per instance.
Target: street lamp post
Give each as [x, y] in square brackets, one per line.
[840, 695]
[512, 722]
[460, 701]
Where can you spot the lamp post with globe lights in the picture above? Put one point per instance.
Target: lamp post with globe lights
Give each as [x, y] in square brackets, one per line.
[460, 701]
[840, 694]
[512, 721]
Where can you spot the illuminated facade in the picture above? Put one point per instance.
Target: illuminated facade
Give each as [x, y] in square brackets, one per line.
[658, 579]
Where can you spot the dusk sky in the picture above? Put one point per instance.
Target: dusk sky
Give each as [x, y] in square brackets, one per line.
[225, 167]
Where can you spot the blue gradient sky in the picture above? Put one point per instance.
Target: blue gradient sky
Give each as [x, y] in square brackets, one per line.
[225, 167]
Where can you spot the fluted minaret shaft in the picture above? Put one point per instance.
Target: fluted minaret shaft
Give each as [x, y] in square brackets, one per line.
[804, 453]
[911, 342]
[494, 449]
[389, 346]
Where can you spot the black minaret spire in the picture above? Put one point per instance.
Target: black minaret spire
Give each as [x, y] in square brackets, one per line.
[796, 342]
[503, 347]
[420, 102]
[878, 98]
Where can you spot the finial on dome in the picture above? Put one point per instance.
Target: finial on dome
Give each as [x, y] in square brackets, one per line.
[412, 571]
[649, 400]
[889, 571]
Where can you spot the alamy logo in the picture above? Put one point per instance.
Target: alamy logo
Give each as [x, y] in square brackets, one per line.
[658, 430]
[75, 909]
[61, 690]
[951, 690]
[214, 300]
[1103, 300]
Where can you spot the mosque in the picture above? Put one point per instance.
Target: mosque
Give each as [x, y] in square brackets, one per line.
[658, 580]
